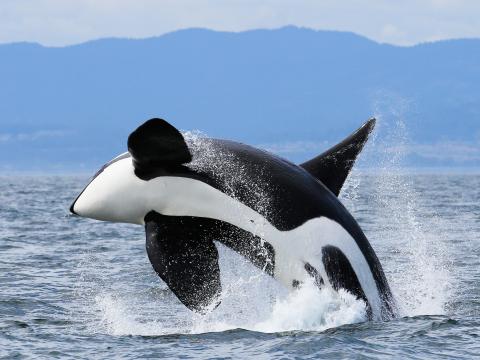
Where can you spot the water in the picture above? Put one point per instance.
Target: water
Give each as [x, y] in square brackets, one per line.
[73, 287]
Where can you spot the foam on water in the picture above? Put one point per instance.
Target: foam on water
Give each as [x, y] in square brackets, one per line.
[414, 260]
[311, 309]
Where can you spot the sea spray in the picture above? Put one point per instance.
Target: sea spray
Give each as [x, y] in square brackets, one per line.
[416, 264]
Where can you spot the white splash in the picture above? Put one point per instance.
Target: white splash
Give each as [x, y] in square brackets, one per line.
[415, 257]
[311, 309]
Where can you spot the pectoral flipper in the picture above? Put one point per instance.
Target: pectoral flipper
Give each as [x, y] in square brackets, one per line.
[182, 252]
[184, 256]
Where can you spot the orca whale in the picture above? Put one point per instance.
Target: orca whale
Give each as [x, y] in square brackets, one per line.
[191, 191]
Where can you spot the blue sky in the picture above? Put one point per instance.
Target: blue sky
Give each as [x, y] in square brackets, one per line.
[406, 22]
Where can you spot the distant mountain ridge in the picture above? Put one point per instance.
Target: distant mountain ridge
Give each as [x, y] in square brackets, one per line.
[73, 107]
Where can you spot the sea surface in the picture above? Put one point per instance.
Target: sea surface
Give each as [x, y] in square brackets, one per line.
[77, 288]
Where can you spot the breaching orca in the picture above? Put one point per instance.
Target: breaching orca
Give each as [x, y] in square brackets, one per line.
[285, 218]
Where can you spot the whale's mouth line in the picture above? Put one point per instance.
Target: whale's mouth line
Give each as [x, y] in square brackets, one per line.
[71, 207]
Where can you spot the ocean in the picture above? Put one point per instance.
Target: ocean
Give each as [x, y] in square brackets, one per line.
[77, 288]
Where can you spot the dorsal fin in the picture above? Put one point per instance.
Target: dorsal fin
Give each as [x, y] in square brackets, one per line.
[157, 143]
[332, 166]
